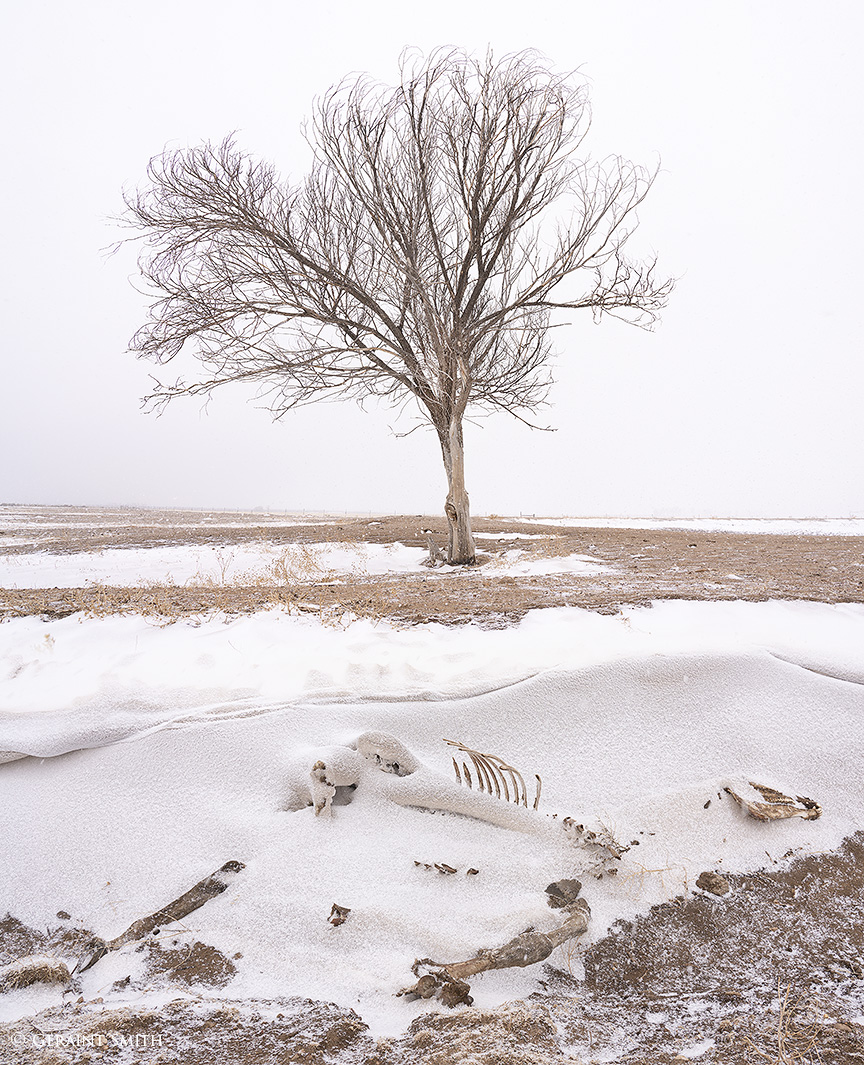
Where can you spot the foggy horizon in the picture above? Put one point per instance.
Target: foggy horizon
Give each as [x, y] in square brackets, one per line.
[745, 401]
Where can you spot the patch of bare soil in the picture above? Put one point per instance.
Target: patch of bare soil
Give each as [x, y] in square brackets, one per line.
[642, 565]
[166, 960]
[769, 972]
[772, 967]
[193, 964]
[191, 1032]
[63, 939]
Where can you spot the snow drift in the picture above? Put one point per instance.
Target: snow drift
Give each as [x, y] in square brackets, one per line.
[631, 724]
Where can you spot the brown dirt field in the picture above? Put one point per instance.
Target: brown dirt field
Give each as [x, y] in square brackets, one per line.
[646, 565]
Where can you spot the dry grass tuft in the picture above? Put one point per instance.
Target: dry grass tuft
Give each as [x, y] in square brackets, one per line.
[33, 969]
[287, 582]
[794, 1039]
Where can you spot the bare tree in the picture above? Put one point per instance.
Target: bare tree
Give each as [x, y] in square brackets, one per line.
[419, 260]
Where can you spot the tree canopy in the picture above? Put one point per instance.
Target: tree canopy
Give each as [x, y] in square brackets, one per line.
[443, 224]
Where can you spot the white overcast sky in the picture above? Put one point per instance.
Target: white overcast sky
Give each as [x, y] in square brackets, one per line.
[746, 400]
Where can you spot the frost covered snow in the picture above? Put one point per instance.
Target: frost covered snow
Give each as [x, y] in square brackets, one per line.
[514, 563]
[178, 748]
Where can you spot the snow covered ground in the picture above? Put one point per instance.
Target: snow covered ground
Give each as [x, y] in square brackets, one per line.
[250, 563]
[137, 757]
[106, 676]
[181, 743]
[199, 563]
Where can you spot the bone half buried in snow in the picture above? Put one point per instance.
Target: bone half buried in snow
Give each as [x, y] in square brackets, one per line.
[447, 980]
[775, 805]
[380, 762]
[190, 900]
[494, 776]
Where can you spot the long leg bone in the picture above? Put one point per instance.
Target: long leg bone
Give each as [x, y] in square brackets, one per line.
[447, 980]
[190, 900]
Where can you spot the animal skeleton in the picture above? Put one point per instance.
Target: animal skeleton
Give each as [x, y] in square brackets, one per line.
[380, 761]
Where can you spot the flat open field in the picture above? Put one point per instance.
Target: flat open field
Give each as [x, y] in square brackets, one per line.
[168, 679]
[633, 565]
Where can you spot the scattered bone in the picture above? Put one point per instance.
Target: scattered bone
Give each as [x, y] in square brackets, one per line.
[447, 980]
[451, 992]
[601, 844]
[338, 915]
[322, 790]
[338, 767]
[196, 896]
[386, 753]
[776, 804]
[563, 893]
[713, 882]
[442, 867]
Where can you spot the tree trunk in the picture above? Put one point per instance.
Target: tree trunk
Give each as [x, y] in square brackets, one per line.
[460, 544]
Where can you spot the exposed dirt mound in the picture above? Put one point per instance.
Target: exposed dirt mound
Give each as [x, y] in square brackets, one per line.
[287, 1032]
[808, 920]
[17, 940]
[193, 964]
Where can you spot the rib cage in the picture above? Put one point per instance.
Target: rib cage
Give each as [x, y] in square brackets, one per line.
[492, 774]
